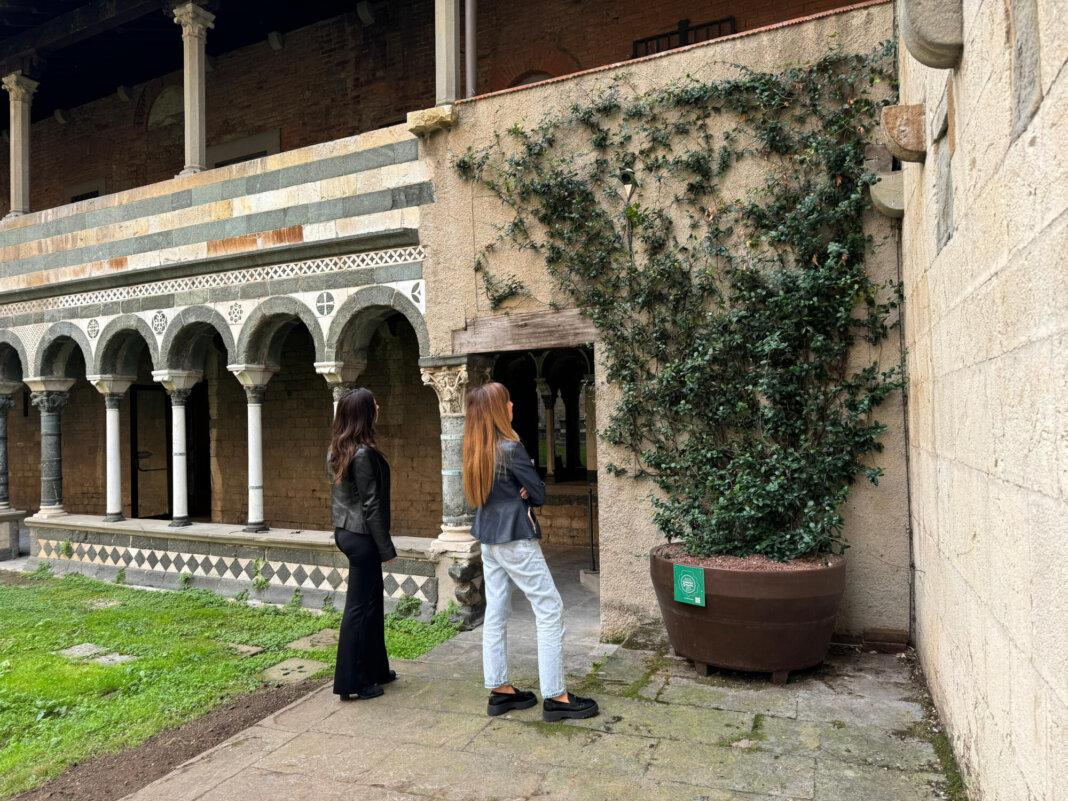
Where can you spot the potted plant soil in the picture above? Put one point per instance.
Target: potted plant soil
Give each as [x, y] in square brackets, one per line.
[714, 232]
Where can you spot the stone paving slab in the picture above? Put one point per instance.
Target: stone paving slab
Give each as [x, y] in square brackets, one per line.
[107, 660]
[320, 641]
[290, 671]
[245, 650]
[82, 651]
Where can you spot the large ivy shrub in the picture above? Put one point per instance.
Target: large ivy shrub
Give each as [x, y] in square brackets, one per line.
[728, 323]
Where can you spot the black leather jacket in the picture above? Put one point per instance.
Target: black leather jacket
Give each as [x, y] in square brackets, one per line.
[505, 515]
[360, 503]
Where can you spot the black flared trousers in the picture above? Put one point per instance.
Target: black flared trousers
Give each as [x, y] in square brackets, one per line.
[361, 647]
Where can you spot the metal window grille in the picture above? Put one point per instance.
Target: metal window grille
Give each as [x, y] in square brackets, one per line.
[684, 34]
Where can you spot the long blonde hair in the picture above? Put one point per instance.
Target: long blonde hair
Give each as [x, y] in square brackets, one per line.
[487, 425]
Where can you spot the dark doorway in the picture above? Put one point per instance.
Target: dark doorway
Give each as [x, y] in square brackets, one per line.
[150, 452]
[198, 450]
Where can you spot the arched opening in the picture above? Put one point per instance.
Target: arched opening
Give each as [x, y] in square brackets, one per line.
[409, 423]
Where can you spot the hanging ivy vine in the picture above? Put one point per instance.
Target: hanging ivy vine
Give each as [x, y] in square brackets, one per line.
[728, 323]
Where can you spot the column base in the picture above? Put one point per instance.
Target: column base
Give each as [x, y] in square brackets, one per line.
[451, 533]
[113, 517]
[179, 522]
[189, 171]
[255, 528]
[51, 511]
[13, 214]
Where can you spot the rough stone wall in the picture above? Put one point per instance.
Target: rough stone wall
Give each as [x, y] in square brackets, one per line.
[24, 453]
[408, 428]
[565, 517]
[985, 238]
[464, 218]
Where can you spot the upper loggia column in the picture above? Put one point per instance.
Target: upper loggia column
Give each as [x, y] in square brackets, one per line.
[254, 378]
[548, 398]
[7, 403]
[20, 90]
[178, 383]
[591, 425]
[447, 51]
[451, 382]
[49, 395]
[113, 388]
[195, 22]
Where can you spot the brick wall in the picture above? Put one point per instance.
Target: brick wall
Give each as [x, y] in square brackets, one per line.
[565, 517]
[337, 78]
[409, 428]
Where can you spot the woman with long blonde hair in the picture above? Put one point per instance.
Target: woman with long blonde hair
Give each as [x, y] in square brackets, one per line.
[500, 482]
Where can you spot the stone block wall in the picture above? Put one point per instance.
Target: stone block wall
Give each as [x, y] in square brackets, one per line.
[565, 517]
[985, 263]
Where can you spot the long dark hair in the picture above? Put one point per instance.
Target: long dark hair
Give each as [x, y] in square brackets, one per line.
[487, 425]
[354, 425]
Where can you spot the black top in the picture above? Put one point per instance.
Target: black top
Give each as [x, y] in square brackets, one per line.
[505, 515]
[360, 503]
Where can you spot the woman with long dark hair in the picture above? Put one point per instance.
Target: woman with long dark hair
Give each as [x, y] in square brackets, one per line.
[501, 484]
[360, 515]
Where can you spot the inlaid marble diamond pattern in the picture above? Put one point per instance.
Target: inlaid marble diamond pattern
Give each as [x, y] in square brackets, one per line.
[286, 574]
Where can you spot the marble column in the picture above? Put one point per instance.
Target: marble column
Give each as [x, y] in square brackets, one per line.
[50, 395]
[178, 383]
[195, 22]
[446, 51]
[548, 399]
[6, 405]
[254, 378]
[113, 388]
[20, 90]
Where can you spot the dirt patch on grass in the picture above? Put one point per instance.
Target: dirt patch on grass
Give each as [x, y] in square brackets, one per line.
[113, 776]
[12, 578]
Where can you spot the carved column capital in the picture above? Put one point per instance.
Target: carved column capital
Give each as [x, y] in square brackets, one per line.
[179, 396]
[255, 394]
[341, 390]
[7, 403]
[113, 400]
[195, 20]
[450, 383]
[19, 87]
[49, 401]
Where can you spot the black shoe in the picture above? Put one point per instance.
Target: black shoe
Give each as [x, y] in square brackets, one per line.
[391, 676]
[576, 707]
[499, 703]
[370, 691]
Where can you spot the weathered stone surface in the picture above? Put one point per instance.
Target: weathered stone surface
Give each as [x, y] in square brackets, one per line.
[322, 640]
[107, 660]
[903, 128]
[837, 781]
[888, 196]
[82, 651]
[933, 30]
[427, 121]
[245, 650]
[733, 769]
[293, 670]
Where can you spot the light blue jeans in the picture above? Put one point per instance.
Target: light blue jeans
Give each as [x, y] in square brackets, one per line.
[521, 562]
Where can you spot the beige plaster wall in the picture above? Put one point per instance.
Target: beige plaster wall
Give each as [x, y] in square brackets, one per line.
[987, 330]
[462, 220]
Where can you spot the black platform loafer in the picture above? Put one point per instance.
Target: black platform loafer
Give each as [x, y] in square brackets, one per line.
[391, 676]
[499, 703]
[370, 691]
[576, 707]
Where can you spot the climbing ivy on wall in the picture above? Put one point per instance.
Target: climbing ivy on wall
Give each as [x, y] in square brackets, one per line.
[729, 317]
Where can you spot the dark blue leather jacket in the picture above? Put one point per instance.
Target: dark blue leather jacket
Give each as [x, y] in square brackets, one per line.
[505, 515]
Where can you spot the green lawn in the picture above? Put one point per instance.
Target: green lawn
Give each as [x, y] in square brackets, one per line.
[54, 711]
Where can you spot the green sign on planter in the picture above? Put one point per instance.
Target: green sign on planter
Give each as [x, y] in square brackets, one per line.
[690, 585]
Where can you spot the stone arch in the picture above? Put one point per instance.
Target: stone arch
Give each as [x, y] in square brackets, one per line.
[190, 334]
[266, 329]
[57, 347]
[359, 316]
[13, 362]
[121, 343]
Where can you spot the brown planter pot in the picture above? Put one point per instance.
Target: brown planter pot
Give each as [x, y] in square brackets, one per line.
[761, 621]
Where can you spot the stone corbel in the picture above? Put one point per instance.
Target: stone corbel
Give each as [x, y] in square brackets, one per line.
[888, 196]
[111, 384]
[933, 31]
[903, 129]
[177, 379]
[430, 120]
[252, 375]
